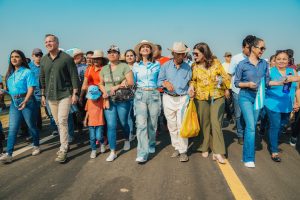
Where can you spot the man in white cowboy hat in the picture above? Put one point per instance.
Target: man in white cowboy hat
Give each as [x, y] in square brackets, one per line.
[174, 77]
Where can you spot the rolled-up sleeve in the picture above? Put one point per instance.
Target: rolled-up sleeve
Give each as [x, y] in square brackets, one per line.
[238, 75]
[31, 80]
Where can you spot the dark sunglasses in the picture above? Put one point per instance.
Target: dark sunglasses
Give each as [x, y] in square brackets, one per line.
[195, 54]
[261, 48]
[38, 55]
[111, 52]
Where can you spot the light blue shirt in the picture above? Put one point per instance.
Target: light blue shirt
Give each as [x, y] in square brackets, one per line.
[276, 100]
[19, 81]
[146, 76]
[247, 72]
[179, 78]
[235, 60]
[36, 71]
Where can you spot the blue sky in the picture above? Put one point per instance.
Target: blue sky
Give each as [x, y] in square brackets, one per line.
[95, 24]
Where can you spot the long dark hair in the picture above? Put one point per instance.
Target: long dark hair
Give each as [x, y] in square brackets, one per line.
[205, 50]
[11, 67]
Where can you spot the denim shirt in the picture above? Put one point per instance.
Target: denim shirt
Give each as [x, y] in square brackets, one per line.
[247, 72]
[19, 81]
[276, 100]
[146, 76]
[179, 78]
[36, 71]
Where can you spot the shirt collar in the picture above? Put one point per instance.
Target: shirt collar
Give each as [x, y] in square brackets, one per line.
[57, 56]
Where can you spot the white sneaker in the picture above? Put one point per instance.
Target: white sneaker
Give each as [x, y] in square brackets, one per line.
[249, 164]
[36, 151]
[5, 158]
[151, 150]
[126, 145]
[111, 157]
[102, 148]
[140, 160]
[93, 154]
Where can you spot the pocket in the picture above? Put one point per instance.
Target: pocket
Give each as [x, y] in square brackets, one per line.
[138, 95]
[155, 96]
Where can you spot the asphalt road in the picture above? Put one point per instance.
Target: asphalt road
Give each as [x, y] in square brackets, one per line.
[162, 177]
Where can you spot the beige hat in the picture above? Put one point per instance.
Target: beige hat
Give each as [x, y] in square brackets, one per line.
[179, 47]
[227, 54]
[77, 52]
[98, 54]
[143, 42]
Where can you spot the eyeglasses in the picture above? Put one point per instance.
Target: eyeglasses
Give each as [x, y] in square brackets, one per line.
[261, 48]
[195, 54]
[38, 55]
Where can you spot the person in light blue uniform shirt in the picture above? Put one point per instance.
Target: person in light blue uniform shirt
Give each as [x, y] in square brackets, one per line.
[20, 86]
[279, 103]
[147, 101]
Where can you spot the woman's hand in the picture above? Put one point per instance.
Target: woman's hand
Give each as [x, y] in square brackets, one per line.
[114, 89]
[191, 92]
[227, 94]
[252, 85]
[22, 105]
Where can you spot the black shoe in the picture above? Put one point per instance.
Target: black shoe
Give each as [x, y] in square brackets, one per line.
[276, 158]
[241, 140]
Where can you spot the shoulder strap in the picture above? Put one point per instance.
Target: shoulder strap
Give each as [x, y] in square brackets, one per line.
[111, 75]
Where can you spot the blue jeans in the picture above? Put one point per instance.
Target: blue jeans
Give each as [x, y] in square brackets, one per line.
[15, 117]
[121, 110]
[131, 117]
[239, 120]
[147, 106]
[96, 133]
[246, 102]
[70, 123]
[277, 122]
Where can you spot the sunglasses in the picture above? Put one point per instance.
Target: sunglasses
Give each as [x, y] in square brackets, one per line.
[38, 55]
[113, 52]
[195, 54]
[261, 48]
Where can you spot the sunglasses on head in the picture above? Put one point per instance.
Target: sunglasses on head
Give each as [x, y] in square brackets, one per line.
[261, 48]
[111, 52]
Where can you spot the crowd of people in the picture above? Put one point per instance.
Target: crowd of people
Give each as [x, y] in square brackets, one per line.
[140, 91]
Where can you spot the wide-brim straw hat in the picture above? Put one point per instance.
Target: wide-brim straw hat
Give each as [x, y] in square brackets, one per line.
[77, 51]
[143, 42]
[98, 54]
[179, 47]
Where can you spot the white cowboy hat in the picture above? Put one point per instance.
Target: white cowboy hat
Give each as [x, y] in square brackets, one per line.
[98, 54]
[143, 42]
[77, 52]
[179, 47]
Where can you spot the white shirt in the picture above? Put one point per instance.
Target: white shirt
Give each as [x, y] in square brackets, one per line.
[226, 66]
[235, 60]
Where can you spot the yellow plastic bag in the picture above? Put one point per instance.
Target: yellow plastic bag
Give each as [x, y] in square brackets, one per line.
[190, 125]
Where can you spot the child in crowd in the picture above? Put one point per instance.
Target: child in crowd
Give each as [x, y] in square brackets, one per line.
[94, 118]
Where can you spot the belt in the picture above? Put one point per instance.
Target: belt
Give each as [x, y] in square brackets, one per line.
[147, 89]
[19, 96]
[175, 95]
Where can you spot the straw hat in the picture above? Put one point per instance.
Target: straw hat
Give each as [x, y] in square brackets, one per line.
[143, 42]
[179, 47]
[98, 54]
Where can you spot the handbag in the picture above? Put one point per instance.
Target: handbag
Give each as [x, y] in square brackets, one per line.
[122, 94]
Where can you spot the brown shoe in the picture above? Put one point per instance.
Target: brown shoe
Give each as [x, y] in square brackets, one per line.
[175, 154]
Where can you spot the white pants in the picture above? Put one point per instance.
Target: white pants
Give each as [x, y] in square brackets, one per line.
[172, 109]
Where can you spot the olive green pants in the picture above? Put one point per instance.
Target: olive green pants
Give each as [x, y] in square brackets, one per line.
[210, 115]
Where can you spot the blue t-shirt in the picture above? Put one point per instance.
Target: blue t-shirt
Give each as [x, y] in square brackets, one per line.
[36, 71]
[19, 81]
[276, 100]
